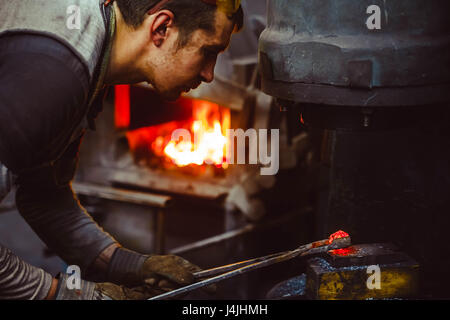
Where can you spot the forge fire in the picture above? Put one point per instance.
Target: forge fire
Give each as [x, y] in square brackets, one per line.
[208, 126]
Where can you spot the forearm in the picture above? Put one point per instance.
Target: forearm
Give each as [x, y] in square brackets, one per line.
[56, 216]
[20, 280]
[100, 266]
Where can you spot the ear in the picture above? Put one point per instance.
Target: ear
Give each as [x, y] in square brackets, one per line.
[163, 19]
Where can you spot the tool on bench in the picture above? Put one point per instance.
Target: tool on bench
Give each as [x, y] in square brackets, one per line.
[337, 240]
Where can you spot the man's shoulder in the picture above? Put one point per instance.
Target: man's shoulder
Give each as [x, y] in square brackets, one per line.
[78, 24]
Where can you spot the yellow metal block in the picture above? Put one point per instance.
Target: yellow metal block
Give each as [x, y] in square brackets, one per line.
[355, 282]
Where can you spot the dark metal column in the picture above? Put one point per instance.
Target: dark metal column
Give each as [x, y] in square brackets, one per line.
[381, 98]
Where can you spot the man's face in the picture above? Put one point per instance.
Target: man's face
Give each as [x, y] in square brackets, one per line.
[179, 70]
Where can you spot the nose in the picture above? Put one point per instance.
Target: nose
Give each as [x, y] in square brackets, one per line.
[207, 73]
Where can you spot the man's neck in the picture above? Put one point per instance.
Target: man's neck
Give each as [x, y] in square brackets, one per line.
[125, 52]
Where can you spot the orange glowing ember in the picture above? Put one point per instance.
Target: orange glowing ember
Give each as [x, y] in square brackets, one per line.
[337, 235]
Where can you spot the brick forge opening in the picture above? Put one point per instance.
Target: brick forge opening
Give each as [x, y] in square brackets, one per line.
[134, 145]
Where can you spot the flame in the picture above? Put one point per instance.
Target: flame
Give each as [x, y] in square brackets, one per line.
[209, 144]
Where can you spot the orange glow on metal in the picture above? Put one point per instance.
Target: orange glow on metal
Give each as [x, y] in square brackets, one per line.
[343, 252]
[337, 235]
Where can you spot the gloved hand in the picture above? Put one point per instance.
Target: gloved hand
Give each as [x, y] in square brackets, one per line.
[111, 291]
[102, 291]
[157, 272]
[168, 271]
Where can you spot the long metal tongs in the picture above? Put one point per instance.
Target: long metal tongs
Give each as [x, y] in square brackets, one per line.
[228, 271]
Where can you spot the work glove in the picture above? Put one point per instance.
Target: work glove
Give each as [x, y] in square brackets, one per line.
[101, 291]
[157, 272]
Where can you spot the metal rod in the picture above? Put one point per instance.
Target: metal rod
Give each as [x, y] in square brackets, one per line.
[210, 241]
[314, 247]
[222, 269]
[227, 275]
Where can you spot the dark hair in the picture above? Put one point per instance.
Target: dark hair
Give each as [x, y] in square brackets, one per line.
[190, 15]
